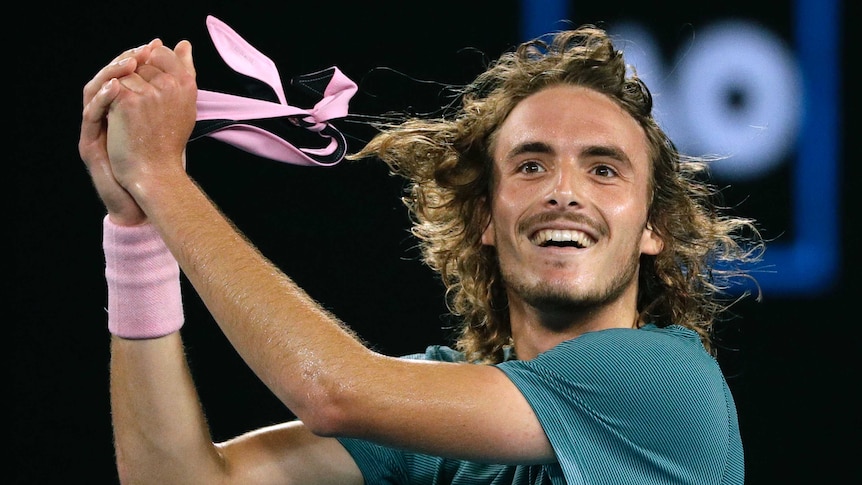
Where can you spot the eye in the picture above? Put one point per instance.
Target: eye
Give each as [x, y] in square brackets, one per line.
[605, 171]
[530, 166]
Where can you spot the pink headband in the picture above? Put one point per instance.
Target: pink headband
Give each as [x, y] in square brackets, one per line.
[274, 130]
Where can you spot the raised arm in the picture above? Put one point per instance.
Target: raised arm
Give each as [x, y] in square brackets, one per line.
[315, 365]
[161, 435]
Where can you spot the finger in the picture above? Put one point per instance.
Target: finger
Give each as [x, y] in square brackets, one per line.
[141, 52]
[148, 72]
[123, 64]
[119, 68]
[93, 117]
[184, 52]
[176, 63]
[135, 82]
[96, 109]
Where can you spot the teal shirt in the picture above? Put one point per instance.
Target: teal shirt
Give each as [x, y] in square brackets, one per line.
[647, 406]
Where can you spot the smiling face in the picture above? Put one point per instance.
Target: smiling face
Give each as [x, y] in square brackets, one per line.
[569, 203]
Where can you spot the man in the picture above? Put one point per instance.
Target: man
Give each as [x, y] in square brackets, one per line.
[576, 244]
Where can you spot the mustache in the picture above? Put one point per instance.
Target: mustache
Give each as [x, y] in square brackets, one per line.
[549, 217]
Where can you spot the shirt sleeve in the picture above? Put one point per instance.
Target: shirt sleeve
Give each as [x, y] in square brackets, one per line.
[634, 406]
[389, 466]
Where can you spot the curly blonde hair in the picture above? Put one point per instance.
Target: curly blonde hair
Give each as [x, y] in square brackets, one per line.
[448, 164]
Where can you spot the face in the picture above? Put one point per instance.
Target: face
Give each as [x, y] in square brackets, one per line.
[570, 197]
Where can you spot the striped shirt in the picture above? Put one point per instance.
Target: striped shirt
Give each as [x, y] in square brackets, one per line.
[646, 406]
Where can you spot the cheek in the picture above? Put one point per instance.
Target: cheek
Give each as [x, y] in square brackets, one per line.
[502, 217]
[636, 218]
[488, 238]
[625, 212]
[630, 218]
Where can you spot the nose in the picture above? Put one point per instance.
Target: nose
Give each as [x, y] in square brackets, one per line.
[564, 189]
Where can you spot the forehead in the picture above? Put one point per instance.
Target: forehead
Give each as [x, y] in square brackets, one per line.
[570, 117]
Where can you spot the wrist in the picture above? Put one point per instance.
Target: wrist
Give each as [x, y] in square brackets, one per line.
[153, 191]
[127, 220]
[143, 279]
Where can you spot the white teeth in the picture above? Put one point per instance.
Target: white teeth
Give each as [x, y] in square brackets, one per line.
[545, 236]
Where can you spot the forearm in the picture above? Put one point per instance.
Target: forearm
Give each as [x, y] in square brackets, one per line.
[156, 411]
[159, 427]
[297, 348]
[322, 373]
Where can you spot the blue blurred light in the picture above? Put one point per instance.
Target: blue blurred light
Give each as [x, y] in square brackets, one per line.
[810, 263]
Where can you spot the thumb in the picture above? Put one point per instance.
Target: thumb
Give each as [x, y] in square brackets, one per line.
[184, 52]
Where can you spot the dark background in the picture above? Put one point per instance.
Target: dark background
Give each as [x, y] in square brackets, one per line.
[341, 232]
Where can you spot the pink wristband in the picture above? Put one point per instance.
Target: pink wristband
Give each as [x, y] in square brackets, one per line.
[144, 299]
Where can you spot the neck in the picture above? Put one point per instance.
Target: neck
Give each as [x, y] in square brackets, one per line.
[536, 330]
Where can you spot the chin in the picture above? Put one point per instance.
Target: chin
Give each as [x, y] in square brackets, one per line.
[559, 295]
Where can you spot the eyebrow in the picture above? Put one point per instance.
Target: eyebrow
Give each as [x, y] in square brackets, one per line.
[529, 147]
[610, 151]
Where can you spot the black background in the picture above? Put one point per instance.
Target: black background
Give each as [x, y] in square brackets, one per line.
[341, 232]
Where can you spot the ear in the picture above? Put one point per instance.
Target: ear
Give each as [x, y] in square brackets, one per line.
[651, 242]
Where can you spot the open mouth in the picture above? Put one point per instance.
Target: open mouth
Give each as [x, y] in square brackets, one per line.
[562, 238]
